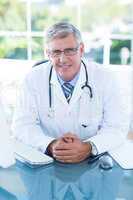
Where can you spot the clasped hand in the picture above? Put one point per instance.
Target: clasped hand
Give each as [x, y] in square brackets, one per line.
[70, 149]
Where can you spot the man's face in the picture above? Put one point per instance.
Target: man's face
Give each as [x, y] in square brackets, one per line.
[65, 55]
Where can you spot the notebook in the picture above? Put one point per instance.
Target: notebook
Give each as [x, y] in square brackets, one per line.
[123, 155]
[30, 155]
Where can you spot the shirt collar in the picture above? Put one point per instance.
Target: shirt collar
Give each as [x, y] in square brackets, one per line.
[79, 78]
[72, 82]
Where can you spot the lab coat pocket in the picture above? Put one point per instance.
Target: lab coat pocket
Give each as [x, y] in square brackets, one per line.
[88, 130]
[90, 117]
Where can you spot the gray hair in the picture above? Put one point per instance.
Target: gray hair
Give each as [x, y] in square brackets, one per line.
[62, 30]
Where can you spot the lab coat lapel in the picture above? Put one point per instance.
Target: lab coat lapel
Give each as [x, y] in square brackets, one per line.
[56, 88]
[77, 90]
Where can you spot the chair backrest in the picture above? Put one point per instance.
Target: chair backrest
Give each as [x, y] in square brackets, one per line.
[40, 62]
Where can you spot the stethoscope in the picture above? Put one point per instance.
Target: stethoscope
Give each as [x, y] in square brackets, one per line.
[86, 85]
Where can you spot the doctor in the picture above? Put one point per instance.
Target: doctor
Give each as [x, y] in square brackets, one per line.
[68, 107]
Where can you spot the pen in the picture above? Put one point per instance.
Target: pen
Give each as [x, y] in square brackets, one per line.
[95, 158]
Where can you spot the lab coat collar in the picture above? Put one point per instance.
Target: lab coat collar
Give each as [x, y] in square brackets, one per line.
[80, 82]
[77, 90]
[54, 78]
[82, 76]
[81, 79]
[57, 87]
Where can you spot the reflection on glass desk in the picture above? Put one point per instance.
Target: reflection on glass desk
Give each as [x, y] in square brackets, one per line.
[60, 181]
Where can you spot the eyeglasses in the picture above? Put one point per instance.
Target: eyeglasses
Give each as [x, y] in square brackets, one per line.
[67, 52]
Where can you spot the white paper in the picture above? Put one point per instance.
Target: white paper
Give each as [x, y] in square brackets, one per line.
[123, 155]
[30, 155]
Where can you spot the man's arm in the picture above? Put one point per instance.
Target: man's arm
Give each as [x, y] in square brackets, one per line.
[26, 123]
[117, 103]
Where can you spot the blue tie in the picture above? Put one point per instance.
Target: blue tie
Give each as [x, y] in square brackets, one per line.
[68, 90]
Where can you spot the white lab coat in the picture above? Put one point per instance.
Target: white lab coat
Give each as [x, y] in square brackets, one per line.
[106, 116]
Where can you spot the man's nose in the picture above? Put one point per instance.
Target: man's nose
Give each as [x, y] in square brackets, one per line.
[62, 57]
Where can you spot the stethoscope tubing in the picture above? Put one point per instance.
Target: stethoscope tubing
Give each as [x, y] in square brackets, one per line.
[85, 85]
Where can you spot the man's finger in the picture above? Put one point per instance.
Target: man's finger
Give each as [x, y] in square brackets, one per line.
[66, 161]
[64, 157]
[63, 146]
[69, 137]
[63, 152]
[69, 134]
[68, 140]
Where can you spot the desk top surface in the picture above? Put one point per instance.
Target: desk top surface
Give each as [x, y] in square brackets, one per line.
[59, 181]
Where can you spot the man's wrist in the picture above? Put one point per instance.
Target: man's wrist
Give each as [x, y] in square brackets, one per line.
[94, 151]
[49, 149]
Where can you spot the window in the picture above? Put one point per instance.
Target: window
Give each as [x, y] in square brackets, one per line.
[23, 24]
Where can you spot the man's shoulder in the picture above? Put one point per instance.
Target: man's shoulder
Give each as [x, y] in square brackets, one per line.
[97, 70]
[39, 69]
[97, 67]
[100, 76]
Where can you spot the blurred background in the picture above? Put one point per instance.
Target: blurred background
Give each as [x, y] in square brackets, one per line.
[106, 26]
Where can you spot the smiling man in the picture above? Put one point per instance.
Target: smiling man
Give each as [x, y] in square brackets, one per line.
[69, 108]
[65, 55]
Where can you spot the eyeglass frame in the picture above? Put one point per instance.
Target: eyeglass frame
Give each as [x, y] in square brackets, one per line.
[66, 52]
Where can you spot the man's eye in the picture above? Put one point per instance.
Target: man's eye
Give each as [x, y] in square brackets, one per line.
[69, 50]
[56, 52]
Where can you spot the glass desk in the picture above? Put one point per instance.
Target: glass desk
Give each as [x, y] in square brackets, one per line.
[59, 181]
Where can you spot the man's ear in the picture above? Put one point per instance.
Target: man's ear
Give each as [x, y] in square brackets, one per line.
[82, 48]
[47, 54]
